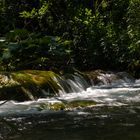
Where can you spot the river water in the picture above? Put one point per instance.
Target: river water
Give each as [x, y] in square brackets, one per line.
[114, 116]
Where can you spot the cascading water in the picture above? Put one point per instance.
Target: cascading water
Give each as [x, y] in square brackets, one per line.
[111, 89]
[82, 105]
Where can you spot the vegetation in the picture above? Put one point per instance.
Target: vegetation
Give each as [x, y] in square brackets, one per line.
[57, 35]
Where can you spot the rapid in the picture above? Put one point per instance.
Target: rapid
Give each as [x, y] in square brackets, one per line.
[112, 111]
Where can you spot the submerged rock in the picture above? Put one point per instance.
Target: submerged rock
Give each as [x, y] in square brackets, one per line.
[63, 105]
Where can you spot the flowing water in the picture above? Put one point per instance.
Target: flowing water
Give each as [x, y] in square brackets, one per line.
[113, 115]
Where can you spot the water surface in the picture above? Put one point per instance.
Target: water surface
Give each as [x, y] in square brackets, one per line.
[115, 116]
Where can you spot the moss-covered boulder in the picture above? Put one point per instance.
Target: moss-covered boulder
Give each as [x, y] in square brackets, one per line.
[28, 85]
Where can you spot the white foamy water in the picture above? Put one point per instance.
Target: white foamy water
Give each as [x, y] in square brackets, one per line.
[111, 95]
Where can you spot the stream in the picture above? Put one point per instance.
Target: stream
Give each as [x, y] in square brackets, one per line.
[113, 115]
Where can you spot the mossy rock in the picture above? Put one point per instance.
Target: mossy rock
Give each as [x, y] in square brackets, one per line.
[57, 106]
[66, 105]
[81, 103]
[38, 78]
[93, 76]
[27, 84]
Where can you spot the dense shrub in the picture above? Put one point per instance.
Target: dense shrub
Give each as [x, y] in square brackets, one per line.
[23, 50]
[87, 34]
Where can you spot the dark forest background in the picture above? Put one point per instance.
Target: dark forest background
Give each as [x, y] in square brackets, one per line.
[65, 34]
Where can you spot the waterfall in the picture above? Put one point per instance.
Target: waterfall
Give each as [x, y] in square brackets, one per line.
[31, 85]
[96, 88]
[73, 83]
[78, 83]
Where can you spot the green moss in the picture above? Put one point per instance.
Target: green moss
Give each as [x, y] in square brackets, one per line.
[67, 105]
[52, 106]
[71, 105]
[57, 106]
[80, 103]
[28, 84]
[38, 78]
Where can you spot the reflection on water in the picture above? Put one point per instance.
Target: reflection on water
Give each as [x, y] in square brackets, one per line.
[97, 123]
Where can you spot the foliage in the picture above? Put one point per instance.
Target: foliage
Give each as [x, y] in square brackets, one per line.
[134, 34]
[17, 35]
[22, 50]
[91, 34]
[36, 13]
